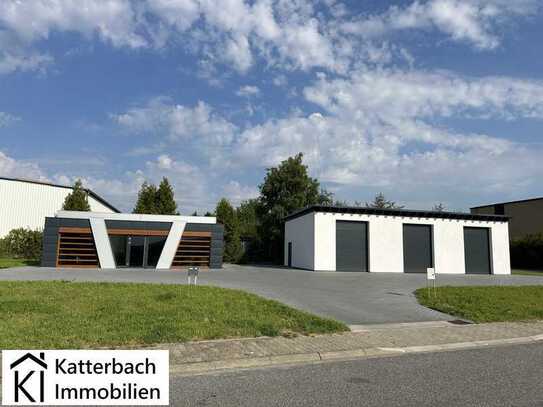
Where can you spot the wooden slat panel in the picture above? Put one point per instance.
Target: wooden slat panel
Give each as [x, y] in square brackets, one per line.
[194, 249]
[196, 234]
[64, 229]
[64, 255]
[71, 244]
[76, 248]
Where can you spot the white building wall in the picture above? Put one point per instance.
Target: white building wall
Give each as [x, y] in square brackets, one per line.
[385, 241]
[500, 249]
[301, 232]
[25, 204]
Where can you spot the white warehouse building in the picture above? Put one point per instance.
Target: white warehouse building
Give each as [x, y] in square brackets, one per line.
[26, 203]
[324, 238]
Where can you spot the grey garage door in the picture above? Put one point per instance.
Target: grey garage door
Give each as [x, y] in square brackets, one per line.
[477, 250]
[351, 246]
[417, 248]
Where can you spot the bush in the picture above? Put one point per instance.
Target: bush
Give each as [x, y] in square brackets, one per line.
[22, 243]
[3, 248]
[527, 253]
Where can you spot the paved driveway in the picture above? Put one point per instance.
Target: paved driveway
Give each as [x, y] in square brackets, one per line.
[355, 298]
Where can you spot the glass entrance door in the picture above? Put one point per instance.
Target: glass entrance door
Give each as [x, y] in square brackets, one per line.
[137, 251]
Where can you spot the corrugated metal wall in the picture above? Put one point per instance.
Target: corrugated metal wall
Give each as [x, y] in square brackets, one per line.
[24, 204]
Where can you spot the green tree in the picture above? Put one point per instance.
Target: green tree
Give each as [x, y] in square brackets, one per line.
[285, 189]
[247, 218]
[226, 215]
[77, 200]
[165, 202]
[439, 207]
[381, 202]
[22, 243]
[146, 202]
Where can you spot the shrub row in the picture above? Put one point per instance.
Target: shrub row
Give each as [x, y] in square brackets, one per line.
[527, 253]
[22, 243]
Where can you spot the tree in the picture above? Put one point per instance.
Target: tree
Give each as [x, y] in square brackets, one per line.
[226, 215]
[381, 202]
[285, 189]
[248, 226]
[246, 214]
[157, 201]
[146, 202]
[165, 202]
[77, 200]
[439, 207]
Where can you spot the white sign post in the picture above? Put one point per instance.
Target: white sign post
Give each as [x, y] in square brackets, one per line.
[431, 276]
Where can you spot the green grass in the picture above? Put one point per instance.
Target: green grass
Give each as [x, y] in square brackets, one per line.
[538, 273]
[61, 314]
[6, 262]
[486, 304]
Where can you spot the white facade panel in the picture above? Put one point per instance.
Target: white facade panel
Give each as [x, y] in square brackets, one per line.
[170, 247]
[101, 241]
[136, 217]
[26, 204]
[385, 241]
[300, 232]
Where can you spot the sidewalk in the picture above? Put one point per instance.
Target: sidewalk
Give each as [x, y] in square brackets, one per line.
[369, 341]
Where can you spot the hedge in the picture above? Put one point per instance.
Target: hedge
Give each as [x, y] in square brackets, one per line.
[527, 253]
[22, 243]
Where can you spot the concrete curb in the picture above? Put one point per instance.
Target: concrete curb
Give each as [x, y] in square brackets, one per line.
[195, 368]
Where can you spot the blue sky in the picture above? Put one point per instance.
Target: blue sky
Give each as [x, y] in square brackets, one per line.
[427, 101]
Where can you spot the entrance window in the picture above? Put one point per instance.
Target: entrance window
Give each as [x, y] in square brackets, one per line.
[136, 251]
[119, 246]
[155, 244]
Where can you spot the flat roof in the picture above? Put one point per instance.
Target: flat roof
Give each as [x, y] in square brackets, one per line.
[135, 217]
[88, 191]
[510, 202]
[411, 213]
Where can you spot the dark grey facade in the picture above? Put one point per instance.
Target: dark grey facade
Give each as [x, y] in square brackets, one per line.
[54, 225]
[51, 235]
[526, 216]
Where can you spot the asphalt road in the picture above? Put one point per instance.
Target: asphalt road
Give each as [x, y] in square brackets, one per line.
[354, 298]
[501, 376]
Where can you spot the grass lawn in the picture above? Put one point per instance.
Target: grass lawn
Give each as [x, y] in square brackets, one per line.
[61, 314]
[486, 304]
[9, 262]
[538, 273]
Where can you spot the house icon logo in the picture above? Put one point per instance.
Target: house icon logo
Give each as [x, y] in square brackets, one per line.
[29, 378]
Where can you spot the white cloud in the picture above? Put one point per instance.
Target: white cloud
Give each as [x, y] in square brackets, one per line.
[235, 32]
[10, 167]
[189, 183]
[237, 193]
[7, 119]
[21, 61]
[474, 21]
[162, 118]
[379, 130]
[394, 94]
[248, 90]
[112, 20]
[290, 35]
